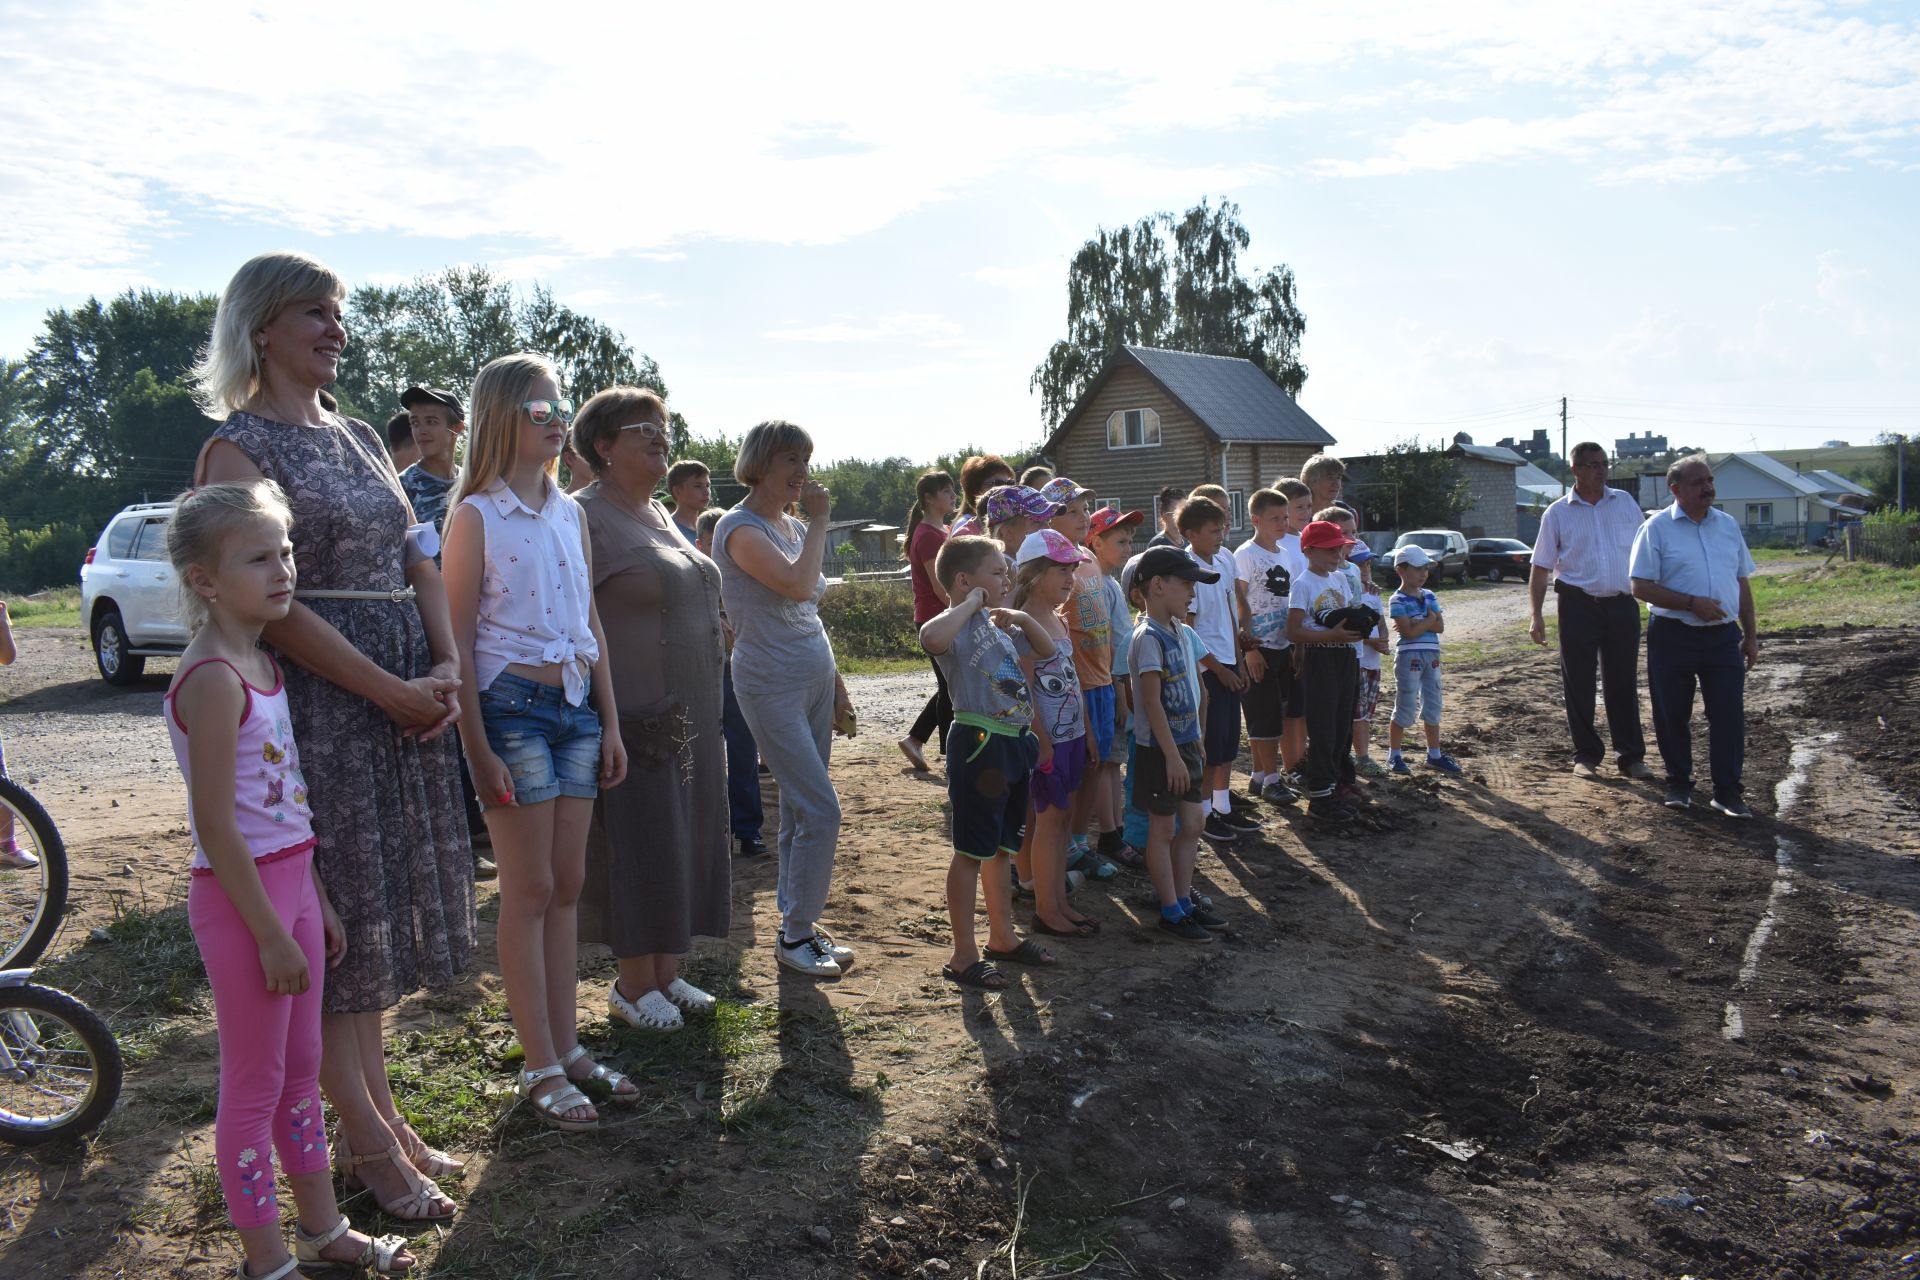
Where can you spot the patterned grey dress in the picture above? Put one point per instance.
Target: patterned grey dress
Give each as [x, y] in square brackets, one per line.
[392, 827]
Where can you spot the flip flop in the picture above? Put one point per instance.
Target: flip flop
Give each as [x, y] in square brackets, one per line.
[980, 974]
[1028, 952]
[1085, 929]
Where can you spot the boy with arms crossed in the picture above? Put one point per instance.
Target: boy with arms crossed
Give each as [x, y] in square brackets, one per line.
[1332, 669]
[1265, 574]
[1217, 618]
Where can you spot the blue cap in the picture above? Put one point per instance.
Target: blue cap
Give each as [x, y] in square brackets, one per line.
[1361, 553]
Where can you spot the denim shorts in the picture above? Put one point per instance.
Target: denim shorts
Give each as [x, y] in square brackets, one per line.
[550, 747]
[1100, 711]
[1416, 687]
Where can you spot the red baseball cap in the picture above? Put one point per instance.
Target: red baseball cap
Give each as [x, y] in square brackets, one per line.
[1112, 518]
[1325, 533]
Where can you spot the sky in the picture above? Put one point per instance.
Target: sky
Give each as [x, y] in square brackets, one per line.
[1692, 219]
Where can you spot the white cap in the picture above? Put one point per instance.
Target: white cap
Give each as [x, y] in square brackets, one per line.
[1412, 554]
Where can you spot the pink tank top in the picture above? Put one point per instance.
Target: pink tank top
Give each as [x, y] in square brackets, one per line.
[269, 795]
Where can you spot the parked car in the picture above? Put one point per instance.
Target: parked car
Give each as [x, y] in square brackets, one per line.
[1499, 558]
[129, 595]
[1448, 547]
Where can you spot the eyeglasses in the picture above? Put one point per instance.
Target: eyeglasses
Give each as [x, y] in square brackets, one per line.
[651, 430]
[1600, 464]
[541, 412]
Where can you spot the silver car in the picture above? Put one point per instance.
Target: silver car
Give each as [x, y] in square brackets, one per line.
[129, 595]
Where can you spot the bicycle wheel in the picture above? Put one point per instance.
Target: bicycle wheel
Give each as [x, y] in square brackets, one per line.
[33, 877]
[60, 1067]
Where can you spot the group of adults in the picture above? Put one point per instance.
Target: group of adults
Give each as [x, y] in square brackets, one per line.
[1690, 564]
[371, 678]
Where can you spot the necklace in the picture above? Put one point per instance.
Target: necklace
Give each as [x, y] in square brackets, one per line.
[647, 516]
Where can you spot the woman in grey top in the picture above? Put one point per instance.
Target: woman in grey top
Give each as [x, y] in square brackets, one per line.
[783, 672]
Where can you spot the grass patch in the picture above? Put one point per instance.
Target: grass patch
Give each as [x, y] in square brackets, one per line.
[881, 666]
[56, 607]
[142, 972]
[1862, 593]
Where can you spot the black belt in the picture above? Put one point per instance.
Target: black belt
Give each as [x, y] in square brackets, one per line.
[1568, 586]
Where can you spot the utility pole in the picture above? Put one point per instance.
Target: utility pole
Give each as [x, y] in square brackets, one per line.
[1566, 463]
[1900, 474]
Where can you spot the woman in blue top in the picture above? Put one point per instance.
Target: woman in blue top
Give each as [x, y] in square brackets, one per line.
[783, 672]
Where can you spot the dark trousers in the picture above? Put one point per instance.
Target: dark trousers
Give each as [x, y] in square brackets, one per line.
[743, 764]
[1603, 634]
[1330, 685]
[937, 716]
[1678, 658]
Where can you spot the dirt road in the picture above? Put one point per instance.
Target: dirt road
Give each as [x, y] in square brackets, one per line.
[1531, 1026]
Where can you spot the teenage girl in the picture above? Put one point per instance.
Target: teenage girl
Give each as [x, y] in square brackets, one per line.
[933, 503]
[1043, 585]
[259, 912]
[518, 576]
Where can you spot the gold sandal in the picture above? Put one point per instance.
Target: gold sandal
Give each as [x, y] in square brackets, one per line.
[416, 1205]
[377, 1257]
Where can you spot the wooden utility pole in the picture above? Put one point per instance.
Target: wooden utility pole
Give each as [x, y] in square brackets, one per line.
[1566, 463]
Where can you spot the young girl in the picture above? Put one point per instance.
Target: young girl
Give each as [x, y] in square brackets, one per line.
[933, 502]
[517, 571]
[259, 912]
[1046, 565]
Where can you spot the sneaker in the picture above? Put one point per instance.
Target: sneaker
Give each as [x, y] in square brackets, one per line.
[1445, 764]
[1329, 810]
[842, 956]
[1186, 928]
[1732, 806]
[483, 867]
[1347, 792]
[1398, 764]
[1297, 779]
[1241, 821]
[1277, 792]
[1217, 831]
[1199, 899]
[750, 847]
[1251, 794]
[809, 956]
[1368, 767]
[1679, 797]
[1637, 770]
[14, 858]
[1581, 769]
[1208, 921]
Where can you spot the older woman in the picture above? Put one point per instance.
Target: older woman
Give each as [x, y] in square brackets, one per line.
[978, 475]
[657, 871]
[784, 674]
[371, 678]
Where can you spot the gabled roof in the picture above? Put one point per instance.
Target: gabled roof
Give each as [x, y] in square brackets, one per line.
[1531, 483]
[1488, 453]
[1232, 399]
[1834, 482]
[1779, 472]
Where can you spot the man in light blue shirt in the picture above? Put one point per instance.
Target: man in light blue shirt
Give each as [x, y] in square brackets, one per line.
[1691, 565]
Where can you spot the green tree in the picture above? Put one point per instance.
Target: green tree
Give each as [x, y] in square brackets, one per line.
[1410, 486]
[1128, 285]
[1886, 478]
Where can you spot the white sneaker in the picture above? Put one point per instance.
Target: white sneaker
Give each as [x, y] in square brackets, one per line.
[842, 956]
[689, 998]
[651, 1012]
[809, 956]
[1581, 769]
[15, 858]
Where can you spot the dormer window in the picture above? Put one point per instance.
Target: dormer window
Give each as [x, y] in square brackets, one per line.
[1133, 429]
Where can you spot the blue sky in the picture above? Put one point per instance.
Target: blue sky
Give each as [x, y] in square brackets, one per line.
[1692, 219]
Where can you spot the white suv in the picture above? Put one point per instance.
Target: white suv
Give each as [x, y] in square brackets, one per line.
[129, 595]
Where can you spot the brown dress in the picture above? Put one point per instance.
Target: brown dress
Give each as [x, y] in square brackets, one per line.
[657, 869]
[387, 810]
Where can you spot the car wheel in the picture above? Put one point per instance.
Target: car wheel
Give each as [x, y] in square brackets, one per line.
[1495, 575]
[117, 666]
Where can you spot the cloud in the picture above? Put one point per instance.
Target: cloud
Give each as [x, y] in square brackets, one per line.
[886, 329]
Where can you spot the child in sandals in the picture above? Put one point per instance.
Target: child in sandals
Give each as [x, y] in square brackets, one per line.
[533, 671]
[259, 913]
[990, 749]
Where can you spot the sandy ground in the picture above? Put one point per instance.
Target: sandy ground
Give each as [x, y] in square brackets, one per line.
[1488, 1037]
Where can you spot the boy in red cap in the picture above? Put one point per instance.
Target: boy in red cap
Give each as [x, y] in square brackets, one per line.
[1331, 676]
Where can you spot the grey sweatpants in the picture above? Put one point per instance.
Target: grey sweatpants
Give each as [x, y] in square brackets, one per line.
[794, 727]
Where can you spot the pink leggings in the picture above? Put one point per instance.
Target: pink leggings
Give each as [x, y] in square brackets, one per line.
[269, 1044]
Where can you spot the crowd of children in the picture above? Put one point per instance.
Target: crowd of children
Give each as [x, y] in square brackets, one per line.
[1066, 656]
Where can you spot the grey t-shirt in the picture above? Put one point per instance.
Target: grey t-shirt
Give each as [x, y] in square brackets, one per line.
[982, 667]
[1155, 648]
[777, 641]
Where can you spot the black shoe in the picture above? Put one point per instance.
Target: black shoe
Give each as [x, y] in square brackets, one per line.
[750, 847]
[1326, 809]
[1241, 821]
[1209, 921]
[1732, 806]
[1679, 797]
[1217, 830]
[1279, 793]
[1186, 928]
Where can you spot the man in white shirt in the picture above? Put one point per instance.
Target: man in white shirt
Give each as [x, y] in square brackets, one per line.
[1691, 565]
[1583, 545]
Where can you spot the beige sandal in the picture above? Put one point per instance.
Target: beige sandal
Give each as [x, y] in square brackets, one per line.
[417, 1205]
[377, 1256]
[428, 1160]
[551, 1109]
[613, 1079]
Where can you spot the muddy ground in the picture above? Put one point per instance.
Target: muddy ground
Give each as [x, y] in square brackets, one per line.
[1487, 1039]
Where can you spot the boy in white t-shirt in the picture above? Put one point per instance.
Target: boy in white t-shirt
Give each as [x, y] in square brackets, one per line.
[1370, 651]
[1216, 610]
[1265, 570]
[1293, 732]
[1331, 669]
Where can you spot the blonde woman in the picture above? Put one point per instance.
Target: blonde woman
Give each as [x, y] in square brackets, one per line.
[531, 656]
[371, 676]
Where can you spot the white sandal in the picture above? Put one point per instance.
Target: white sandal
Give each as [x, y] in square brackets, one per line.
[612, 1078]
[690, 998]
[651, 1012]
[288, 1268]
[551, 1109]
[379, 1253]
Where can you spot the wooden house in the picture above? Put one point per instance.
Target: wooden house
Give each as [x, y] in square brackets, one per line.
[1153, 417]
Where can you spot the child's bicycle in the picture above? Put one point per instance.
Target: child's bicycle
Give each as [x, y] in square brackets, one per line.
[60, 1068]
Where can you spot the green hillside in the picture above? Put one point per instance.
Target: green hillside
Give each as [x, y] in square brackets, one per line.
[1858, 463]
